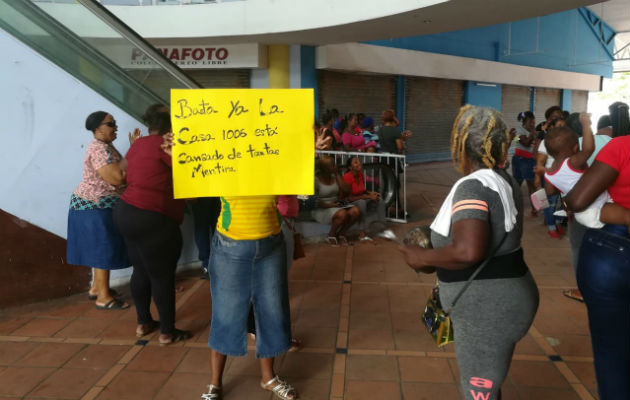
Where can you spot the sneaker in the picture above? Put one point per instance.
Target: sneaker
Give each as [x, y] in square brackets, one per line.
[204, 273]
[554, 234]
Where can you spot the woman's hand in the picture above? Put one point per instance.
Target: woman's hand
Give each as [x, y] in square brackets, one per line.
[376, 196]
[323, 142]
[414, 257]
[405, 134]
[167, 143]
[133, 136]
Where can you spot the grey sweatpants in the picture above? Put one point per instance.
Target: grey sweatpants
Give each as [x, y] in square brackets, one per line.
[488, 320]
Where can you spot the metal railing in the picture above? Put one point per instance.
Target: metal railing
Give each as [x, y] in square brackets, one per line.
[385, 173]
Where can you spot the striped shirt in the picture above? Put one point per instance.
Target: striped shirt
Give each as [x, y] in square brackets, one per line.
[249, 217]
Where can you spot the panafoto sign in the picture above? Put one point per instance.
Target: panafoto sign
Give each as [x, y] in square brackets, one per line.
[200, 56]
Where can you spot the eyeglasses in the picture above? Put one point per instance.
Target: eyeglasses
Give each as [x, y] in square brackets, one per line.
[111, 124]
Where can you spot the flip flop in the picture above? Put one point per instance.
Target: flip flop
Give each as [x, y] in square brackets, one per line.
[176, 336]
[113, 304]
[113, 292]
[573, 294]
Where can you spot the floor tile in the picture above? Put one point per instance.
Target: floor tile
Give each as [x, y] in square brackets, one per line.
[11, 352]
[430, 391]
[68, 383]
[84, 328]
[157, 358]
[372, 368]
[97, 356]
[421, 369]
[18, 381]
[134, 385]
[50, 355]
[184, 386]
[585, 371]
[535, 373]
[244, 387]
[361, 390]
[307, 365]
[541, 393]
[119, 329]
[371, 339]
[321, 337]
[8, 325]
[41, 327]
[318, 318]
[196, 361]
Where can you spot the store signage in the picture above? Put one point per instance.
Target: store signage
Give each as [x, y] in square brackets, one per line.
[201, 56]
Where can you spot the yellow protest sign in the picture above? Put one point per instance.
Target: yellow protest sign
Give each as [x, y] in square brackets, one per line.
[242, 142]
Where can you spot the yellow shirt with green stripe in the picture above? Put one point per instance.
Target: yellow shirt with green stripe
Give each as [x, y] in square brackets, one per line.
[249, 217]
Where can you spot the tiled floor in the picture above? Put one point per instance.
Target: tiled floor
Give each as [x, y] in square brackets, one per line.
[355, 308]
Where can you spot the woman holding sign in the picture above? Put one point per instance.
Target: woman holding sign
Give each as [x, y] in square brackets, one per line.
[248, 267]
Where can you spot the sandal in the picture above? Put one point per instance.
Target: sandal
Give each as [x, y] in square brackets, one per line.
[145, 329]
[176, 336]
[296, 345]
[331, 240]
[113, 304]
[95, 296]
[573, 294]
[214, 393]
[280, 388]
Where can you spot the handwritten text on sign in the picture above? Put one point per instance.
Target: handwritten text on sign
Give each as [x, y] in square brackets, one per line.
[241, 142]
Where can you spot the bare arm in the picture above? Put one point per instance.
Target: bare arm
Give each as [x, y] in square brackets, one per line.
[578, 160]
[615, 214]
[593, 182]
[470, 242]
[113, 173]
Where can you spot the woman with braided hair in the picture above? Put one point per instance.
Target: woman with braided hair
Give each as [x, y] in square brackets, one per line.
[483, 214]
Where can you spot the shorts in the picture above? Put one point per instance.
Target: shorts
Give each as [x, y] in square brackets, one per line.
[523, 168]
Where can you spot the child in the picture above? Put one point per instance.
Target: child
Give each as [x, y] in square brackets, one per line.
[567, 168]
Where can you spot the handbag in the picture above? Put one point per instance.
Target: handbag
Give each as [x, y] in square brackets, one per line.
[436, 319]
[298, 249]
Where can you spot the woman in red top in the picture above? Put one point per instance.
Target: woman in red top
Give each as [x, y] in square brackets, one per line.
[359, 196]
[603, 269]
[148, 217]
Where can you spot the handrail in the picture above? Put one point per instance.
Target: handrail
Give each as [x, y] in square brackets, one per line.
[115, 23]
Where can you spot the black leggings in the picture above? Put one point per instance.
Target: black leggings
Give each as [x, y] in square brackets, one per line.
[154, 243]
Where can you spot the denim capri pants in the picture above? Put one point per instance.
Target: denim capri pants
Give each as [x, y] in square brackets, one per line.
[523, 168]
[244, 273]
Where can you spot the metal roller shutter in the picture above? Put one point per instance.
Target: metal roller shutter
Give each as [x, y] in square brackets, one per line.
[221, 78]
[356, 93]
[579, 101]
[545, 98]
[514, 100]
[431, 108]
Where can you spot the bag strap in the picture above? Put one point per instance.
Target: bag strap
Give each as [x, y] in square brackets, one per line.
[474, 275]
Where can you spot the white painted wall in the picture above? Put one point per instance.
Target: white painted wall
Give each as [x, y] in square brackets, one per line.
[357, 57]
[43, 111]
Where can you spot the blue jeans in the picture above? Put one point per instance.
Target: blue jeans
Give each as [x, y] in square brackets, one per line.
[604, 280]
[244, 273]
[550, 219]
[206, 212]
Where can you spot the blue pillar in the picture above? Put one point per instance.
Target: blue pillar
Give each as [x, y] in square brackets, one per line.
[401, 85]
[567, 98]
[483, 94]
[308, 72]
[532, 99]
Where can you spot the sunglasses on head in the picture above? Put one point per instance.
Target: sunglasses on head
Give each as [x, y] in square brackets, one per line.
[111, 124]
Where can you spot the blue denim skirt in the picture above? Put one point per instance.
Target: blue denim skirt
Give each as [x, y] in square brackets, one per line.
[244, 273]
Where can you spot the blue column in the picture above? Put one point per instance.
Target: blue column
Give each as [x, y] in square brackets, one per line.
[483, 94]
[532, 99]
[567, 98]
[308, 72]
[401, 85]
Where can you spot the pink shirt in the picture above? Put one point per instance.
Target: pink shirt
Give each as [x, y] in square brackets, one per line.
[288, 206]
[93, 187]
[356, 142]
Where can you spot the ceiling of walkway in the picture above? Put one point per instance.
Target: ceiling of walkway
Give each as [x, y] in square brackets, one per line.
[328, 21]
